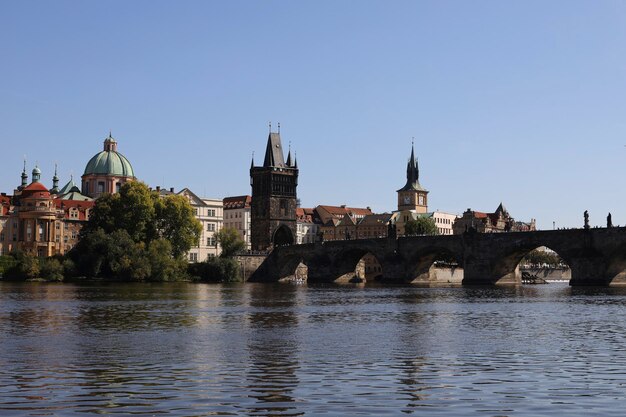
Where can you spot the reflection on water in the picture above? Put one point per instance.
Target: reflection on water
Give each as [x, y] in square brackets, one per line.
[286, 350]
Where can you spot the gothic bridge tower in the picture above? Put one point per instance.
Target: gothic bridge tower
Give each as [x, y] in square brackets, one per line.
[413, 196]
[274, 199]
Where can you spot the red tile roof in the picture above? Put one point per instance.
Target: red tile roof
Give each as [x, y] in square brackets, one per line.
[82, 207]
[36, 190]
[242, 201]
[341, 210]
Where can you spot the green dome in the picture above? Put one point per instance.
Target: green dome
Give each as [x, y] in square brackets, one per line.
[109, 163]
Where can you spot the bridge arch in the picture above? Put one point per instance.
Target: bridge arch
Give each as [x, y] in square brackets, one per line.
[616, 266]
[356, 265]
[508, 267]
[435, 264]
[293, 268]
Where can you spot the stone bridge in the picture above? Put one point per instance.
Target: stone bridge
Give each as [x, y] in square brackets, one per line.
[596, 257]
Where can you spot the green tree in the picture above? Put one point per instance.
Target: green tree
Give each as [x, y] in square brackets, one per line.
[136, 235]
[132, 209]
[163, 266]
[230, 241]
[51, 269]
[176, 223]
[421, 226]
[26, 266]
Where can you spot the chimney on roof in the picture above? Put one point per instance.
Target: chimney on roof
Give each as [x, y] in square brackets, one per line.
[158, 188]
[343, 206]
[172, 189]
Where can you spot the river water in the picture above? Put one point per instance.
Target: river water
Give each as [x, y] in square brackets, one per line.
[290, 350]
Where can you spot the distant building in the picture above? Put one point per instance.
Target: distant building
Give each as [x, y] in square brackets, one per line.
[307, 225]
[209, 212]
[106, 171]
[443, 221]
[237, 216]
[340, 222]
[274, 198]
[373, 226]
[40, 221]
[496, 222]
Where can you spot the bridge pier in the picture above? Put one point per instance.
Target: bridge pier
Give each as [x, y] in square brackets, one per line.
[589, 271]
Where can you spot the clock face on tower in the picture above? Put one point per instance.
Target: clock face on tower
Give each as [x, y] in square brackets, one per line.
[407, 199]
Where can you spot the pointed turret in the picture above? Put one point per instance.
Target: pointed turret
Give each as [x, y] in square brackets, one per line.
[502, 209]
[289, 157]
[55, 182]
[24, 177]
[252, 163]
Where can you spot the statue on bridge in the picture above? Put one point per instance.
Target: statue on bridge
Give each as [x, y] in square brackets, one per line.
[609, 221]
[586, 215]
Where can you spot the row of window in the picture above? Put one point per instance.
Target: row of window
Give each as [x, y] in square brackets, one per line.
[199, 212]
[231, 215]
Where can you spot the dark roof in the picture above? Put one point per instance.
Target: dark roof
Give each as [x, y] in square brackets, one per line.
[375, 219]
[274, 152]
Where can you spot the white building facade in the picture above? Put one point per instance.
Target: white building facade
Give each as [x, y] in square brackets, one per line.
[210, 213]
[237, 216]
[306, 228]
[444, 221]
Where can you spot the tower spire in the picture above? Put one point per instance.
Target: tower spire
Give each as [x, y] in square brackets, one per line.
[55, 181]
[274, 156]
[289, 154]
[24, 175]
[412, 170]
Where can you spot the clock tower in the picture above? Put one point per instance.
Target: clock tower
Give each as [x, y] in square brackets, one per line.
[412, 196]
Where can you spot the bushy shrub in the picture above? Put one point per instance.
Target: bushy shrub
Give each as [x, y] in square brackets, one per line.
[216, 270]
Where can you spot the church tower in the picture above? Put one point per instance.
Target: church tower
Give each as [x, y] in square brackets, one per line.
[412, 196]
[273, 206]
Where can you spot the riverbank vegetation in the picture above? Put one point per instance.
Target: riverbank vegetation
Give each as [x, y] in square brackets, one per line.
[224, 268]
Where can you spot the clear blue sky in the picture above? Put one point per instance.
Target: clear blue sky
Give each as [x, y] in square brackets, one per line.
[519, 102]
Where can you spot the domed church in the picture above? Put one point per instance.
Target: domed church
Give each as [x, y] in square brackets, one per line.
[106, 171]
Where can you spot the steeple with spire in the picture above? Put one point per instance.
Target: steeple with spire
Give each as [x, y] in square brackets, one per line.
[413, 196]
